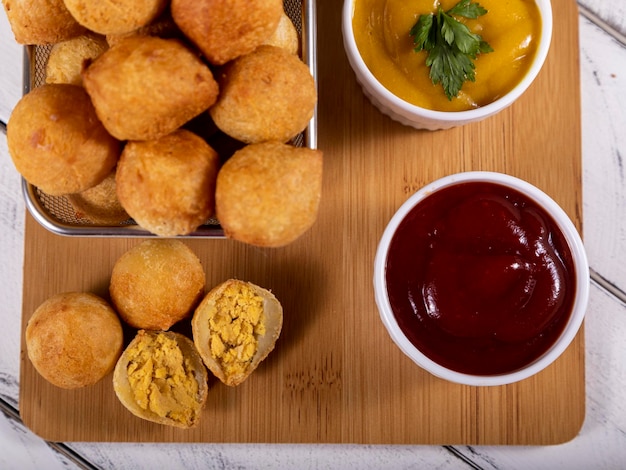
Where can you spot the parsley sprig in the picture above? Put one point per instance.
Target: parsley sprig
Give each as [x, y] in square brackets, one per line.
[451, 46]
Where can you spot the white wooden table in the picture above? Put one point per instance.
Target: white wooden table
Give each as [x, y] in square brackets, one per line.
[601, 443]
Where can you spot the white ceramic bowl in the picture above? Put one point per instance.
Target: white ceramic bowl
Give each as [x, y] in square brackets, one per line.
[422, 118]
[579, 259]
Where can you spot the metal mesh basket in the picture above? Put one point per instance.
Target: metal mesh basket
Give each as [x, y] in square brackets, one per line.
[56, 214]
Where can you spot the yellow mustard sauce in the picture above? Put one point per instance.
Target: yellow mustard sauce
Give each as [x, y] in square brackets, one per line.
[381, 29]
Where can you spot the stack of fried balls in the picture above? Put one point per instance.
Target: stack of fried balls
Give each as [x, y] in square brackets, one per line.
[169, 114]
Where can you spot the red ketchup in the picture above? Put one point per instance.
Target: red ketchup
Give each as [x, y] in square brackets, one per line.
[480, 278]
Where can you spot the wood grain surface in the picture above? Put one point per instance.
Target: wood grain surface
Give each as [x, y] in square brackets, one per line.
[335, 375]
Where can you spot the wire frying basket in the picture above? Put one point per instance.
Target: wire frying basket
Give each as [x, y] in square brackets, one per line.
[57, 214]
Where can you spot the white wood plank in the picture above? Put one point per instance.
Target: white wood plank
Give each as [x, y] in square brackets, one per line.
[12, 243]
[269, 456]
[613, 12]
[603, 75]
[11, 55]
[21, 449]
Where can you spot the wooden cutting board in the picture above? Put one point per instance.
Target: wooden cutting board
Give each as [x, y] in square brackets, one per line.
[335, 375]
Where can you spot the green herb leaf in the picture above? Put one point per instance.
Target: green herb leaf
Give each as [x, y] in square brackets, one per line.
[485, 47]
[456, 33]
[467, 9]
[450, 44]
[443, 66]
[421, 32]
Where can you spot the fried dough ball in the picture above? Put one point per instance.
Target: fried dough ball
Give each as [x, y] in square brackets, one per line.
[156, 284]
[168, 185]
[160, 377]
[74, 339]
[146, 87]
[41, 21]
[235, 327]
[99, 204]
[115, 16]
[266, 95]
[57, 142]
[226, 29]
[285, 36]
[69, 58]
[162, 27]
[268, 194]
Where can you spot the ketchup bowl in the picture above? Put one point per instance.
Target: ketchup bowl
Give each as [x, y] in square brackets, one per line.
[481, 279]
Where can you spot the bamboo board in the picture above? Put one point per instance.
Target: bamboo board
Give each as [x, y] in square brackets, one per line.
[335, 375]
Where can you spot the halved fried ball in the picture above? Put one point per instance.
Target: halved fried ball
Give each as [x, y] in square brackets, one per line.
[41, 21]
[268, 194]
[266, 95]
[69, 58]
[226, 29]
[168, 185]
[99, 204]
[145, 87]
[57, 142]
[115, 16]
[235, 327]
[74, 339]
[160, 377]
[156, 284]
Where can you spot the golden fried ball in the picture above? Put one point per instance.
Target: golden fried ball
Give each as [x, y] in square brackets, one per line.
[41, 21]
[285, 36]
[268, 194]
[266, 95]
[69, 58]
[226, 29]
[115, 16]
[156, 283]
[168, 185]
[99, 204]
[57, 142]
[74, 339]
[146, 87]
[162, 27]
